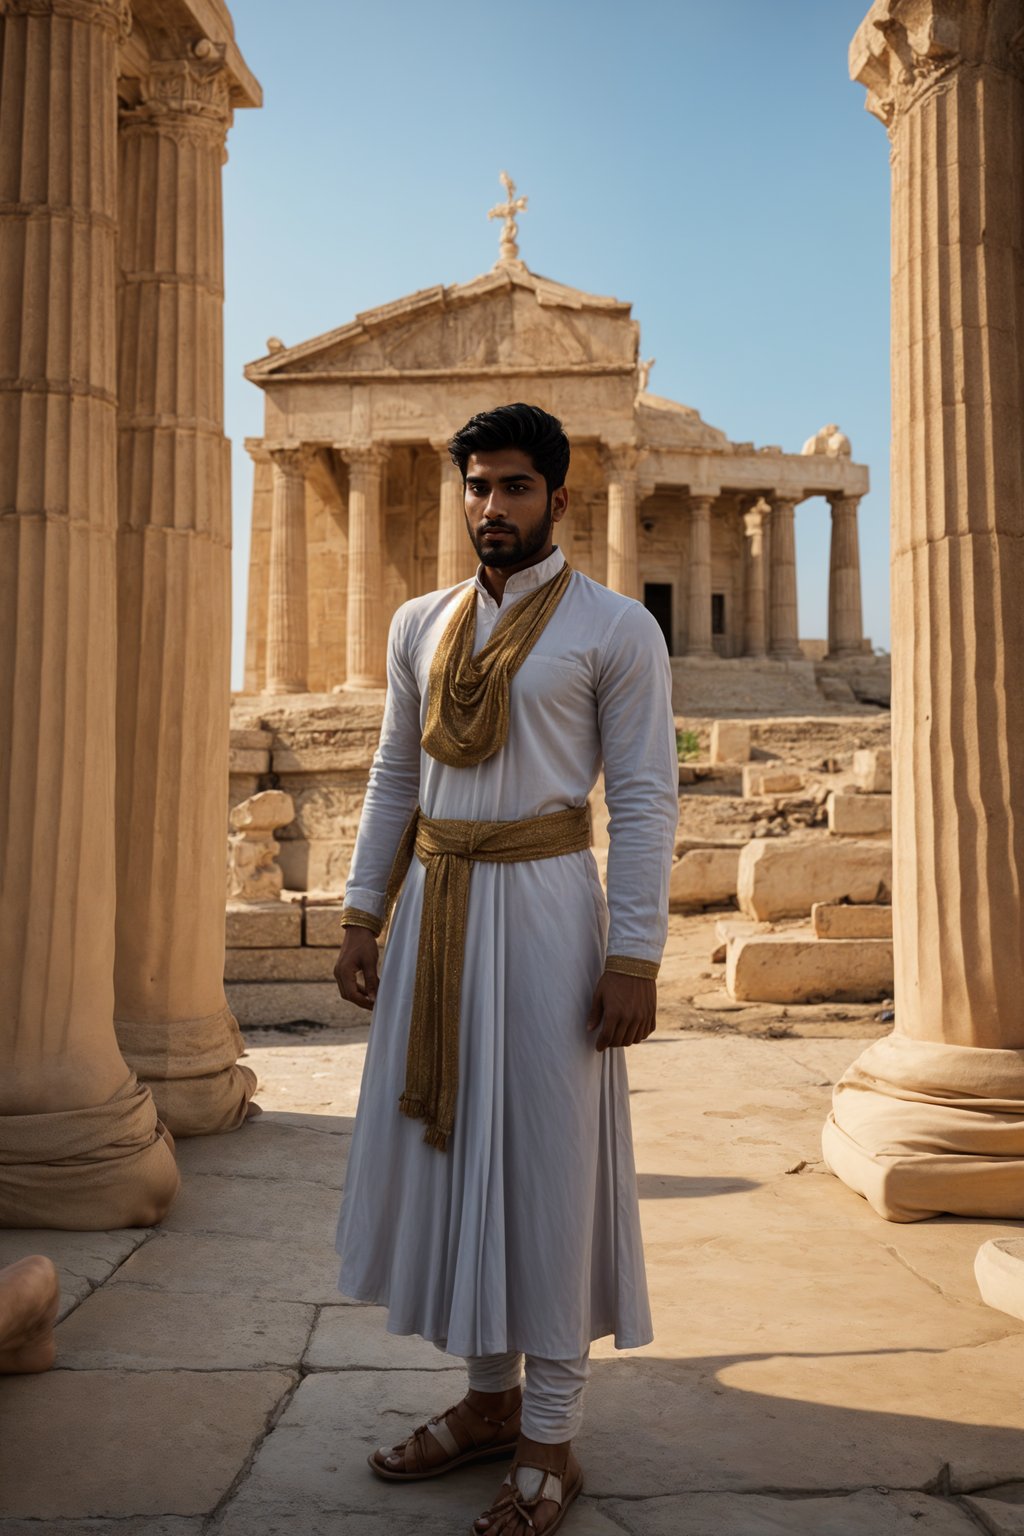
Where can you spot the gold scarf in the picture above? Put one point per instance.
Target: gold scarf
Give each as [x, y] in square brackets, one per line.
[468, 696]
[448, 849]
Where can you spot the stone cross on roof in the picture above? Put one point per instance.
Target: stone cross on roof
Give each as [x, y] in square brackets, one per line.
[510, 230]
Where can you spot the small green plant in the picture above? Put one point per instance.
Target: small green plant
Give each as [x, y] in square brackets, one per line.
[687, 745]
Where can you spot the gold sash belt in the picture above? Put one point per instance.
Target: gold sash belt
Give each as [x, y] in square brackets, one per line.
[448, 850]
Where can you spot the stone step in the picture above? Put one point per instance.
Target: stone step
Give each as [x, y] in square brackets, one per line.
[859, 815]
[799, 968]
[999, 1271]
[704, 877]
[838, 920]
[784, 877]
[872, 769]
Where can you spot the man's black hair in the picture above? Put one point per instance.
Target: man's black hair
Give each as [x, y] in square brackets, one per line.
[537, 433]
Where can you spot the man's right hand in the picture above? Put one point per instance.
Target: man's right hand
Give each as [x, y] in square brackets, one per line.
[356, 968]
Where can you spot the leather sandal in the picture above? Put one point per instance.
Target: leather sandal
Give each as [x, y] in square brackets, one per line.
[439, 1431]
[511, 1497]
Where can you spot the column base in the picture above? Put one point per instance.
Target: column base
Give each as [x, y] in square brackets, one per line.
[88, 1170]
[191, 1068]
[999, 1271]
[699, 653]
[789, 653]
[924, 1129]
[362, 685]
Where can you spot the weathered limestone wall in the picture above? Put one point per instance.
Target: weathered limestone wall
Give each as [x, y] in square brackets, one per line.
[319, 752]
[80, 1144]
[932, 1118]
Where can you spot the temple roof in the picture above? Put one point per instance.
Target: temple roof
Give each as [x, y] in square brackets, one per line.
[439, 300]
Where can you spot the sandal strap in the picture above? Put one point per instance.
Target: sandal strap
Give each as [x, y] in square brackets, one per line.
[444, 1437]
[442, 1430]
[512, 1496]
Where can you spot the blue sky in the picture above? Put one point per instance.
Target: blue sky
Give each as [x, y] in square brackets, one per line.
[712, 164]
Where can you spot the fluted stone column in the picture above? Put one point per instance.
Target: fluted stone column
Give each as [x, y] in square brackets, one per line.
[620, 475]
[754, 627]
[845, 621]
[173, 555]
[287, 597]
[931, 1118]
[456, 557]
[366, 638]
[785, 630]
[80, 1143]
[698, 642]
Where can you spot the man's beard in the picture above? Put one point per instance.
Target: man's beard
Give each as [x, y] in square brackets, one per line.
[519, 548]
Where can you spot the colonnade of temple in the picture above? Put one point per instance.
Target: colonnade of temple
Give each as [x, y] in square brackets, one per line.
[114, 602]
[770, 623]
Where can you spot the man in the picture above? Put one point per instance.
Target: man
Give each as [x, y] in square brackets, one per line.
[491, 1197]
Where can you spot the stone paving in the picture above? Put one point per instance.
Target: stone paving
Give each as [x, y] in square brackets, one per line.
[816, 1371]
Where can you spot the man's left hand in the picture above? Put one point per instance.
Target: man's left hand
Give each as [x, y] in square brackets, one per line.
[624, 1010]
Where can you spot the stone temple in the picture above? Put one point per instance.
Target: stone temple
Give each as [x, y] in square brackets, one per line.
[357, 507]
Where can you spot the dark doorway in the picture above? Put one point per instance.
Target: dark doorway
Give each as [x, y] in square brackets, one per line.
[718, 613]
[658, 602]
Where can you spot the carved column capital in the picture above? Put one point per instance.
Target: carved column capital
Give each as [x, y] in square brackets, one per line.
[450, 471]
[366, 462]
[185, 91]
[619, 461]
[292, 461]
[701, 502]
[115, 15]
[904, 50]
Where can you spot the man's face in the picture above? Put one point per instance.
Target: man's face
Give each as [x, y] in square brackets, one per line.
[508, 509]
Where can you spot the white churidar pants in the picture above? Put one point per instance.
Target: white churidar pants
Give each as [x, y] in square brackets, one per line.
[552, 1396]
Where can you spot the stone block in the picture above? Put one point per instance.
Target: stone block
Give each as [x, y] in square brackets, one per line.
[837, 920]
[323, 926]
[263, 925]
[730, 741]
[241, 760]
[251, 739]
[704, 877]
[130, 1328]
[84, 1260]
[264, 1004]
[860, 815]
[798, 968]
[184, 1435]
[355, 1338]
[999, 1271]
[785, 877]
[872, 769]
[280, 964]
[311, 757]
[1000, 1510]
[294, 1210]
[218, 1264]
[869, 1512]
[760, 779]
[271, 1146]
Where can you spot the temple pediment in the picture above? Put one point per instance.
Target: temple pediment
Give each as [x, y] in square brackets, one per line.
[513, 321]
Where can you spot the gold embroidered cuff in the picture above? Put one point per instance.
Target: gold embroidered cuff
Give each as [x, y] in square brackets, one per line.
[353, 917]
[625, 965]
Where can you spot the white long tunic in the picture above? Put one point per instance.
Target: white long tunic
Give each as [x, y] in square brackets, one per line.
[524, 1234]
